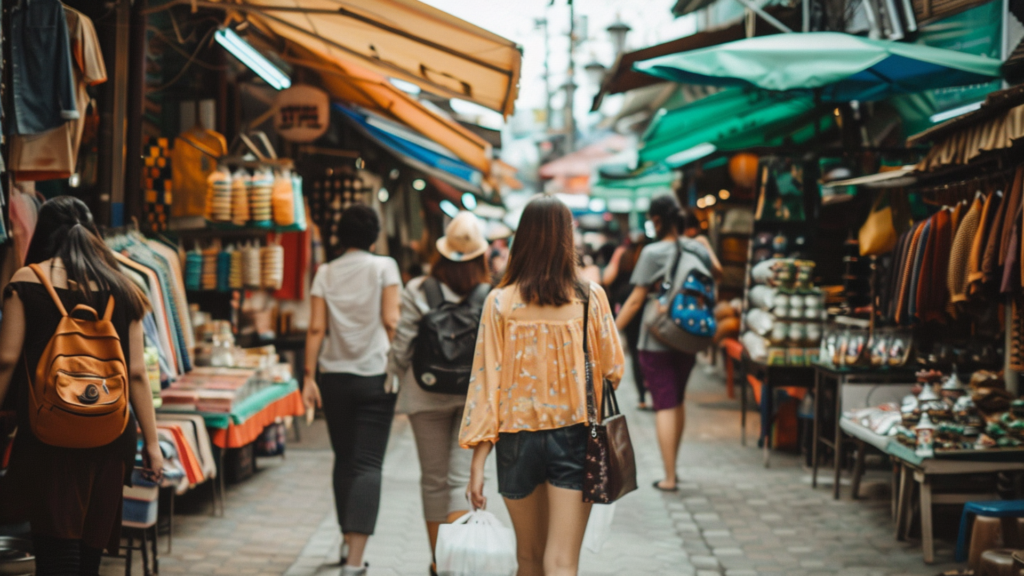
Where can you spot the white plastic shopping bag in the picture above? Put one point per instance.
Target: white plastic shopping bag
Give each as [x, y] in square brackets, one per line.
[476, 545]
[599, 526]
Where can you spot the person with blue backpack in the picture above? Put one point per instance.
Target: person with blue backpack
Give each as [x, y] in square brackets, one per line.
[432, 356]
[673, 286]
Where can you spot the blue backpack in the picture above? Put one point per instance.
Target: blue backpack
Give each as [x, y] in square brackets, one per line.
[686, 316]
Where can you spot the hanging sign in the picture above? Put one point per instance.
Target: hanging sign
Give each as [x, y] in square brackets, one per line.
[302, 113]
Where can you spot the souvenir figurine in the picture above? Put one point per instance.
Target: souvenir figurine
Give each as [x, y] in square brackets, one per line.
[925, 437]
[952, 388]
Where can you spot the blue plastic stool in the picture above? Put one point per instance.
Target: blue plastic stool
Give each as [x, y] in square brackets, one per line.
[989, 509]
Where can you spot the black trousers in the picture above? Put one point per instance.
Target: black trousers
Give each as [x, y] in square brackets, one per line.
[359, 414]
[632, 332]
[64, 557]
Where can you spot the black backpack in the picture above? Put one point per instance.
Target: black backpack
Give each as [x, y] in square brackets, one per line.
[443, 351]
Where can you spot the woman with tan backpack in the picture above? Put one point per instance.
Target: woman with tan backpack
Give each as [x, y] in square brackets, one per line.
[71, 342]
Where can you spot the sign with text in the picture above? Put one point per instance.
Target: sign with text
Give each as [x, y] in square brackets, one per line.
[302, 113]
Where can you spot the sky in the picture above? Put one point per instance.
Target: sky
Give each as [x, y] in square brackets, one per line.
[651, 21]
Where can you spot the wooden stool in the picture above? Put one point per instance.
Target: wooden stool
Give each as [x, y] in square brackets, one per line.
[987, 534]
[1009, 512]
[997, 563]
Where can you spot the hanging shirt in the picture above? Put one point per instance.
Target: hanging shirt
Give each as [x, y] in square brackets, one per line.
[42, 79]
[53, 154]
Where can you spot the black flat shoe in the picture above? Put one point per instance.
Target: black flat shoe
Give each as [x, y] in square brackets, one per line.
[433, 570]
[658, 487]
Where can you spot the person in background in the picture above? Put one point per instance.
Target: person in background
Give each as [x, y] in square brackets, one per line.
[666, 371]
[73, 495]
[460, 268]
[527, 398]
[616, 280]
[498, 260]
[355, 308]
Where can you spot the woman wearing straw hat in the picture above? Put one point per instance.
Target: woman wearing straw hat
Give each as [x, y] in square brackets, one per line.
[459, 274]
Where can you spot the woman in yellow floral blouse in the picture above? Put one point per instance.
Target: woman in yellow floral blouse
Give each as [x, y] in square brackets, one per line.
[527, 395]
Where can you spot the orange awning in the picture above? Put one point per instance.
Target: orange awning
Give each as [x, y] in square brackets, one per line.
[357, 85]
[403, 39]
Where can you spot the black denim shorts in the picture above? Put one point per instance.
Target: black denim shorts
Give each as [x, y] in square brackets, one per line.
[528, 459]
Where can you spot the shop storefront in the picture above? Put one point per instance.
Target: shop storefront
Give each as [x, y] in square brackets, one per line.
[218, 144]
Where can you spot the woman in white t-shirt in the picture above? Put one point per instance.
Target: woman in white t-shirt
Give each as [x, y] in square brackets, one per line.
[353, 317]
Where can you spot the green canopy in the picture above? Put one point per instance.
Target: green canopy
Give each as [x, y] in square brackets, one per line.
[730, 120]
[841, 66]
[633, 193]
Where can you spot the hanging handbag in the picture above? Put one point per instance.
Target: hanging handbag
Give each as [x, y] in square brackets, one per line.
[877, 235]
[609, 472]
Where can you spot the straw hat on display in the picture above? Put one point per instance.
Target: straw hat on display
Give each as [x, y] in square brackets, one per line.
[462, 239]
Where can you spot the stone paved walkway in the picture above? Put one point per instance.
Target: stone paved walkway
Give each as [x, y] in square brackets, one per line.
[731, 517]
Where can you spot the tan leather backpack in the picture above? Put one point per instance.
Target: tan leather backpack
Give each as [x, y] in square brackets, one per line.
[79, 396]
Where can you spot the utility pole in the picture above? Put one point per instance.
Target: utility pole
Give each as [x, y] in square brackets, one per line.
[570, 86]
[542, 24]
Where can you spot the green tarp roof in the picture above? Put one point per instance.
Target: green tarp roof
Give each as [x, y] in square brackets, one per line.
[842, 67]
[730, 120]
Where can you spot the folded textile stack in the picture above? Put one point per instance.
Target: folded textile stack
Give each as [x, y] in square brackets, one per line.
[178, 399]
[208, 400]
[260, 188]
[272, 266]
[209, 273]
[210, 389]
[240, 198]
[219, 195]
[251, 267]
[235, 275]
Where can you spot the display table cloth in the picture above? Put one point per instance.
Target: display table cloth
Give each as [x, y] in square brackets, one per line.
[246, 421]
[249, 405]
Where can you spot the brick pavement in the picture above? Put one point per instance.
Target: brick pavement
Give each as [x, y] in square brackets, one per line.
[731, 517]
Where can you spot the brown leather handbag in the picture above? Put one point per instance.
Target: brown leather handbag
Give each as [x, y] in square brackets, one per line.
[878, 234]
[610, 469]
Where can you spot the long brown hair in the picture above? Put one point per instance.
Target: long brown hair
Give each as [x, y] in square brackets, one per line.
[461, 277]
[65, 230]
[543, 259]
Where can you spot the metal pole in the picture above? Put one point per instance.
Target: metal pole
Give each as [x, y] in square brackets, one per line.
[120, 113]
[133, 200]
[1004, 52]
[806, 4]
[547, 74]
[570, 85]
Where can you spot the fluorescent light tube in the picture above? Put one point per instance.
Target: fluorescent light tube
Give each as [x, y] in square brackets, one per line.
[959, 111]
[252, 59]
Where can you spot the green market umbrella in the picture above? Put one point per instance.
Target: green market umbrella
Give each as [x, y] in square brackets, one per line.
[731, 120]
[839, 67]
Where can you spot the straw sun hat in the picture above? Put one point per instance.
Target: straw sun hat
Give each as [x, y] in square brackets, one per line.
[462, 239]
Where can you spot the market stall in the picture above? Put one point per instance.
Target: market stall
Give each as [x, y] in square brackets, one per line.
[943, 327]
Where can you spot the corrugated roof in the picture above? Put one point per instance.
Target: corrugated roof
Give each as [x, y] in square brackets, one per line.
[403, 39]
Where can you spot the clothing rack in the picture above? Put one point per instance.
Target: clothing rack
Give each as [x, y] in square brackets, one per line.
[950, 192]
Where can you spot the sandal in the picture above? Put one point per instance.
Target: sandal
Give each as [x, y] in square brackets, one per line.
[657, 486]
